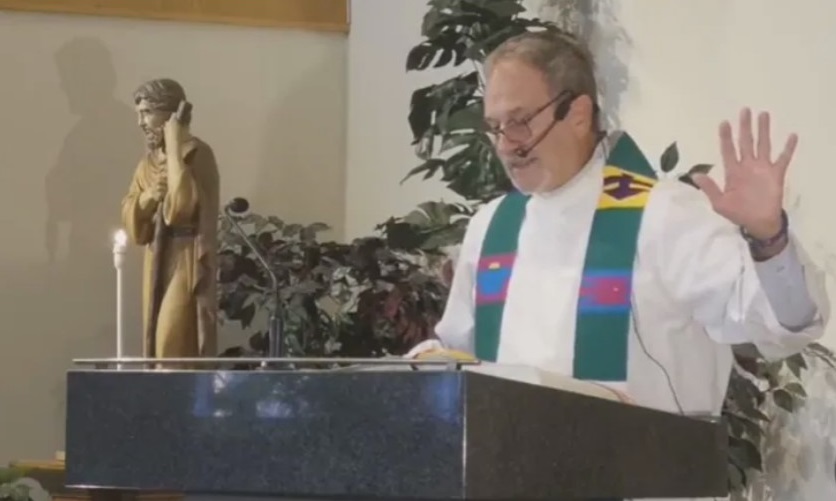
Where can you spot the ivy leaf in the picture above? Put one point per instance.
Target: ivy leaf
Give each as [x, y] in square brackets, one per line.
[258, 342]
[700, 169]
[670, 157]
[784, 399]
[796, 364]
[737, 478]
[745, 454]
[796, 390]
[292, 230]
[246, 315]
[687, 178]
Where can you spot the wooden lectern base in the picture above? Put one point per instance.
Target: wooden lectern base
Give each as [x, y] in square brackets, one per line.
[51, 475]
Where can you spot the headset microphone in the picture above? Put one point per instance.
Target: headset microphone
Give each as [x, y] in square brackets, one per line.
[522, 152]
[560, 113]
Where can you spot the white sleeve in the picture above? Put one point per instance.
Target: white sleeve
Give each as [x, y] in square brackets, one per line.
[707, 267]
[457, 325]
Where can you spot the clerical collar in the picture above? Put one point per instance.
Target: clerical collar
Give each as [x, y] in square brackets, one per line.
[592, 166]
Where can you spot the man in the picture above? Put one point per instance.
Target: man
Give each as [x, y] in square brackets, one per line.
[597, 270]
[172, 209]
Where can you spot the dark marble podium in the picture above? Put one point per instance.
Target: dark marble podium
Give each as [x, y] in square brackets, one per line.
[383, 434]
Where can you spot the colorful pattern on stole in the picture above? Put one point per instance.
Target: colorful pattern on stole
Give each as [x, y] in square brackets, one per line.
[604, 307]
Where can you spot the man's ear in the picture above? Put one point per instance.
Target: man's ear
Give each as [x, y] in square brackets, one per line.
[581, 113]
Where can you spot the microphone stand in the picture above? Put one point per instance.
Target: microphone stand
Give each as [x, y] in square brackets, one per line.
[275, 334]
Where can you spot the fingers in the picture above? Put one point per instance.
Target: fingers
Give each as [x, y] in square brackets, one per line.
[764, 138]
[709, 187]
[727, 151]
[785, 157]
[745, 139]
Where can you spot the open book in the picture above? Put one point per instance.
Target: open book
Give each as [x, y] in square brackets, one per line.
[527, 374]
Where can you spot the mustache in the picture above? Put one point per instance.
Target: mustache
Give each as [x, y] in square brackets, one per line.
[151, 130]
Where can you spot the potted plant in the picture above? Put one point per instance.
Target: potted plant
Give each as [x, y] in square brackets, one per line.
[372, 297]
[11, 487]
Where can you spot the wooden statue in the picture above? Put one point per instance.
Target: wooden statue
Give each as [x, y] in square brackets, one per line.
[172, 209]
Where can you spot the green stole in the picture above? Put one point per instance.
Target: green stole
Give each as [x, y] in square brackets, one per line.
[604, 301]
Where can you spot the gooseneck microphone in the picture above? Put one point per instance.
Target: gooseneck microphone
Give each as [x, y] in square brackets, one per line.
[275, 339]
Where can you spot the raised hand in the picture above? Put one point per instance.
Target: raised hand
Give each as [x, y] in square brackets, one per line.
[753, 194]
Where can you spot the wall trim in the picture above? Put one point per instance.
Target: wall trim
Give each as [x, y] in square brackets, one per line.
[315, 15]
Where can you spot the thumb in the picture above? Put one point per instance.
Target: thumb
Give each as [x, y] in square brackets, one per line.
[709, 187]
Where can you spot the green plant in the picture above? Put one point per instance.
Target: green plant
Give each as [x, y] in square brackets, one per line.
[11, 489]
[366, 298]
[757, 385]
[446, 118]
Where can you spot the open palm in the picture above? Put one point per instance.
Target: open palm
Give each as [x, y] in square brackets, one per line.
[753, 194]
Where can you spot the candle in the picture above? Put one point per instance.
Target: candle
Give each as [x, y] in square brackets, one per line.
[120, 242]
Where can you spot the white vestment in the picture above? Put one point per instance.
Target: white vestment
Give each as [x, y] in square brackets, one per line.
[696, 291]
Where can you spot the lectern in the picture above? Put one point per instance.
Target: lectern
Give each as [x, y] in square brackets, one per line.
[391, 432]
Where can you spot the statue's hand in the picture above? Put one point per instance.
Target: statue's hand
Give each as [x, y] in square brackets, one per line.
[174, 136]
[154, 195]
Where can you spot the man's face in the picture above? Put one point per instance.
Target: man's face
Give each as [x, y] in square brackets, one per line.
[517, 102]
[151, 122]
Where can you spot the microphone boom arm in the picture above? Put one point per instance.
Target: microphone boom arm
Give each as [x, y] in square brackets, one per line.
[275, 338]
[274, 280]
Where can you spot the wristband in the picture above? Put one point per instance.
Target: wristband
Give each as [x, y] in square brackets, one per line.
[756, 244]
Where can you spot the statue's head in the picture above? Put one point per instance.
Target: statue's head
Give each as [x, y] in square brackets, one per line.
[155, 101]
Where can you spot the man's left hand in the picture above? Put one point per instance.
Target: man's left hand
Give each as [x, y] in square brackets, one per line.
[753, 195]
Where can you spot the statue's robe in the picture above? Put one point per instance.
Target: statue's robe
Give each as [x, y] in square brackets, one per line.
[180, 259]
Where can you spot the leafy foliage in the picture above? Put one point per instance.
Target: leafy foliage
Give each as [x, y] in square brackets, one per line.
[755, 385]
[10, 487]
[430, 227]
[359, 299]
[670, 159]
[446, 118]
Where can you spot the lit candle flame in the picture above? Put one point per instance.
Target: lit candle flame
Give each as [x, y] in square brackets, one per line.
[120, 238]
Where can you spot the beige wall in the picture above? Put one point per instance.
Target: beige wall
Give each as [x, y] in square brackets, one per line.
[271, 103]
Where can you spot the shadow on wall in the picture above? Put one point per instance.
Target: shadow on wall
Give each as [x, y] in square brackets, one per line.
[64, 308]
[302, 173]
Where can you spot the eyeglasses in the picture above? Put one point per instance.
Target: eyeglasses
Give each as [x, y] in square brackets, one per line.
[519, 131]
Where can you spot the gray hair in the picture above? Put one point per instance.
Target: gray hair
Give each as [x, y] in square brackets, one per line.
[563, 59]
[162, 94]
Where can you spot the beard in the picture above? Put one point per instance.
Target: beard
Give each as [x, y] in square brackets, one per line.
[154, 138]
